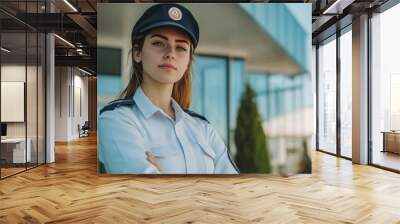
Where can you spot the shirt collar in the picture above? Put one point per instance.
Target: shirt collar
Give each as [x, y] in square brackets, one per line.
[144, 104]
[178, 111]
[148, 108]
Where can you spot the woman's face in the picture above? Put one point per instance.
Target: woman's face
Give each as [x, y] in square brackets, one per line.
[165, 55]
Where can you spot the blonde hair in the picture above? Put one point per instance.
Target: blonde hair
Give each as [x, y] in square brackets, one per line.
[182, 90]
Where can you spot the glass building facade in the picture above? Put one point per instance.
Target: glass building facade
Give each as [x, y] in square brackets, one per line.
[218, 84]
[279, 94]
[281, 24]
[219, 80]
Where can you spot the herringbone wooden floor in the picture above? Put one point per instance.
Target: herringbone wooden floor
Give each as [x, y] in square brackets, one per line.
[70, 191]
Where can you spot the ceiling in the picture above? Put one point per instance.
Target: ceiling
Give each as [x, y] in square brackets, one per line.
[328, 16]
[78, 24]
[72, 20]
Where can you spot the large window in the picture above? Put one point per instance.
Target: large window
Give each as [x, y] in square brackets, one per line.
[213, 77]
[237, 80]
[210, 92]
[385, 88]
[346, 93]
[327, 96]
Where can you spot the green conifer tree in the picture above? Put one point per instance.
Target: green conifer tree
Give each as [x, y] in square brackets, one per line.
[252, 150]
[305, 166]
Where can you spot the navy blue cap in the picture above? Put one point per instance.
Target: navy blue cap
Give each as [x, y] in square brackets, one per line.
[168, 14]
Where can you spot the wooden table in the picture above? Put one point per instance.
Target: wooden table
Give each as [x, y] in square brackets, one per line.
[391, 141]
[13, 150]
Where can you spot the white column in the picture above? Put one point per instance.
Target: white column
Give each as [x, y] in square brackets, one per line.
[360, 90]
[50, 110]
[50, 93]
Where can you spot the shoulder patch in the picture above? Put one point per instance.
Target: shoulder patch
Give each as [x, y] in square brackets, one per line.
[194, 114]
[117, 103]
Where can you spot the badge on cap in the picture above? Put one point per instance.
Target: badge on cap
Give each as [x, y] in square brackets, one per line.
[175, 13]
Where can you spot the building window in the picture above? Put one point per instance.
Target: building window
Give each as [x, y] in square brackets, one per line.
[346, 93]
[327, 96]
[22, 108]
[385, 89]
[210, 91]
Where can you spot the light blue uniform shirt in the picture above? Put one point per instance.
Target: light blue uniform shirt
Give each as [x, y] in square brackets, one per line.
[186, 145]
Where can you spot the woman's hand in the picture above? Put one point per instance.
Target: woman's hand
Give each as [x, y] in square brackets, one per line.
[153, 161]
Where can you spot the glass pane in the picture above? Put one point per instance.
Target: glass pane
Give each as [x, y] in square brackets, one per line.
[327, 97]
[41, 99]
[313, 92]
[31, 98]
[109, 80]
[215, 107]
[13, 87]
[210, 92]
[386, 89]
[346, 94]
[258, 83]
[236, 87]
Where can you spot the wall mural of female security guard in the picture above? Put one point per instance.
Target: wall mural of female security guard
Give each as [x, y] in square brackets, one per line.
[161, 62]
[150, 130]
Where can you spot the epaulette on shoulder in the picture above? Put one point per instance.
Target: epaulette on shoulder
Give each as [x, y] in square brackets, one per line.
[117, 103]
[194, 114]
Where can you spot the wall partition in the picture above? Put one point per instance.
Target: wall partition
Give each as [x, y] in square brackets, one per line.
[22, 88]
[13, 98]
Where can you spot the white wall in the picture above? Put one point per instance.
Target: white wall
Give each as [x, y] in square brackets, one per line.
[61, 103]
[71, 87]
[33, 126]
[12, 101]
[12, 73]
[16, 73]
[80, 89]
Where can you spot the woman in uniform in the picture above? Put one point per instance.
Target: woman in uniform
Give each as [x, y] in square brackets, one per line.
[150, 130]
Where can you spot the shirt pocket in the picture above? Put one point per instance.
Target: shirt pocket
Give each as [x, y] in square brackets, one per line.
[209, 157]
